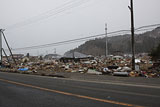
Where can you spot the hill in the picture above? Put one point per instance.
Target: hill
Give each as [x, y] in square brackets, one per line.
[144, 43]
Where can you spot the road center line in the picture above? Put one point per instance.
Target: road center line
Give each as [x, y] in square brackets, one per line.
[71, 94]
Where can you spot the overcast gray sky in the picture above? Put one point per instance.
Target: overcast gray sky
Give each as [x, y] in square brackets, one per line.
[36, 22]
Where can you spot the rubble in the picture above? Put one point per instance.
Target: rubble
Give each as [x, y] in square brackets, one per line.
[23, 69]
[120, 73]
[92, 71]
[112, 65]
[126, 69]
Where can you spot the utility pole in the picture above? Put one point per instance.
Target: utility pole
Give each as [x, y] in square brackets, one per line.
[54, 50]
[8, 47]
[5, 55]
[73, 54]
[106, 40]
[1, 30]
[132, 34]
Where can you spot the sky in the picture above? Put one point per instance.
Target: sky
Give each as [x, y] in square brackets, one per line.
[37, 22]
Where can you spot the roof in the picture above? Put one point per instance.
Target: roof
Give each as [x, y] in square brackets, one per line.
[18, 54]
[75, 55]
[52, 56]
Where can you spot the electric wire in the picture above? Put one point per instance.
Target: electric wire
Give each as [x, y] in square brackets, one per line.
[40, 15]
[73, 40]
[110, 34]
[48, 14]
[147, 26]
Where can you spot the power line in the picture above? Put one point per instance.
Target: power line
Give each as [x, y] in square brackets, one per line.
[37, 16]
[110, 34]
[32, 48]
[147, 26]
[146, 29]
[50, 13]
[116, 33]
[56, 43]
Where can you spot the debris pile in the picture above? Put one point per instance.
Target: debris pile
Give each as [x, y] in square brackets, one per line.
[112, 65]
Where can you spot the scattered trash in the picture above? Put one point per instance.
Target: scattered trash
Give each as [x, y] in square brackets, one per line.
[91, 71]
[115, 65]
[120, 74]
[126, 69]
[23, 69]
[112, 67]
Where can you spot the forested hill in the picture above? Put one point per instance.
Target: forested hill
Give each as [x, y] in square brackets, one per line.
[144, 43]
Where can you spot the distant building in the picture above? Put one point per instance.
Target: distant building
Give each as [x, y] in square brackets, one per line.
[52, 56]
[18, 56]
[75, 56]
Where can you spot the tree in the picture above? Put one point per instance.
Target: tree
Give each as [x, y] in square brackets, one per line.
[27, 55]
[156, 53]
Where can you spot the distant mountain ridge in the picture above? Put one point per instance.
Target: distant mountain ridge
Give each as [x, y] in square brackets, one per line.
[144, 43]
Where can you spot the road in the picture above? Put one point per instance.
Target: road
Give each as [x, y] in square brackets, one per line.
[21, 90]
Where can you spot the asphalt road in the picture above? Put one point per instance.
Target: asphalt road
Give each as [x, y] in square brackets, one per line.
[20, 90]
